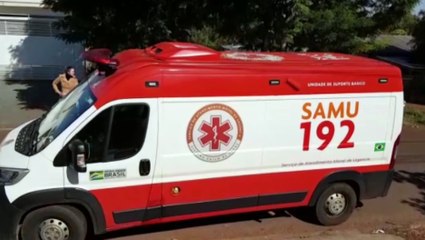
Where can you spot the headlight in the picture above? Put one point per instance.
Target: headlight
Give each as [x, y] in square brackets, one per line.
[10, 176]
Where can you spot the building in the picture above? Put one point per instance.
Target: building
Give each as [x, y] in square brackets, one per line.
[399, 52]
[29, 47]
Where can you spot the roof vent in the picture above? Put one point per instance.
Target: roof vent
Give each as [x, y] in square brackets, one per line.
[179, 50]
[100, 56]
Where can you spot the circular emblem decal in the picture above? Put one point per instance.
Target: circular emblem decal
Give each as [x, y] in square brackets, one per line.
[253, 56]
[214, 133]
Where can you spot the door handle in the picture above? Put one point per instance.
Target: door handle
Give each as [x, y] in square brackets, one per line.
[144, 167]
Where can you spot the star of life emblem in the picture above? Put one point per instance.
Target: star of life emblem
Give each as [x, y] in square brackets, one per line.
[214, 133]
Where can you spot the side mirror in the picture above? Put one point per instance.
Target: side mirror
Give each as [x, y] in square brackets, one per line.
[78, 155]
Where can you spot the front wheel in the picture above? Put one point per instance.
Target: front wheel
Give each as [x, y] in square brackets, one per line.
[54, 223]
[335, 204]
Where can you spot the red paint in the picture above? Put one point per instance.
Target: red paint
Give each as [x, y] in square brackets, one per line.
[326, 131]
[186, 70]
[180, 50]
[220, 213]
[121, 199]
[134, 197]
[346, 141]
[326, 137]
[394, 152]
[307, 131]
[100, 55]
[215, 133]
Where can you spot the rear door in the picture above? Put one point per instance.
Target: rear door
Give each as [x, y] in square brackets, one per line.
[122, 154]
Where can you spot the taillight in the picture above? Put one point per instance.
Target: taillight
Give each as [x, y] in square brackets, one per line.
[394, 153]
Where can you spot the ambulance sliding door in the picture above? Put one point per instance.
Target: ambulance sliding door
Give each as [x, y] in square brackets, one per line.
[209, 153]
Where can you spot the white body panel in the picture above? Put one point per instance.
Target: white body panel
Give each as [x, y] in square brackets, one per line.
[8, 156]
[272, 142]
[273, 135]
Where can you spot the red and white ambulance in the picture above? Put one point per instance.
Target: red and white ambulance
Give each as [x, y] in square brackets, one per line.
[179, 131]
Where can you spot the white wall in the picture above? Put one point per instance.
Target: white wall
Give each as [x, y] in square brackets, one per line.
[35, 57]
[22, 3]
[34, 50]
[29, 48]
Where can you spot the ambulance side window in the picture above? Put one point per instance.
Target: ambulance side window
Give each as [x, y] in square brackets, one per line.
[128, 131]
[116, 133]
[94, 134]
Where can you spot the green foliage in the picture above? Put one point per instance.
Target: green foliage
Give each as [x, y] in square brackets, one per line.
[334, 27]
[369, 46]
[319, 25]
[398, 31]
[414, 116]
[387, 13]
[208, 36]
[405, 26]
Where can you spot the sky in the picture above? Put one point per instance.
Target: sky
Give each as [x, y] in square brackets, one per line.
[421, 6]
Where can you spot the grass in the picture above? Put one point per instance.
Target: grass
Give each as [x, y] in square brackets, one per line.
[414, 116]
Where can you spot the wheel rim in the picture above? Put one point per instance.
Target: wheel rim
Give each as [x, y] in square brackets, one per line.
[335, 204]
[54, 229]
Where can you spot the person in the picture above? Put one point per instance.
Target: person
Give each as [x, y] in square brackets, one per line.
[65, 82]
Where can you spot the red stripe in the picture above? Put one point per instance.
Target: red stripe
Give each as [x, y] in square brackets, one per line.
[190, 70]
[136, 197]
[192, 81]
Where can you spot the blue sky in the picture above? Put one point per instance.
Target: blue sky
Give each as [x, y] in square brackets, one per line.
[421, 6]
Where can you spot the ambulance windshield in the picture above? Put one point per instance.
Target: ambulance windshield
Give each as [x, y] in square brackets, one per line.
[66, 111]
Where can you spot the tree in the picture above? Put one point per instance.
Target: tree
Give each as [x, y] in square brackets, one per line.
[331, 25]
[419, 38]
[266, 25]
[113, 24]
[335, 26]
[350, 25]
[405, 26]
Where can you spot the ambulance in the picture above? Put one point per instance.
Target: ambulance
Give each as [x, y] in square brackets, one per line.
[178, 131]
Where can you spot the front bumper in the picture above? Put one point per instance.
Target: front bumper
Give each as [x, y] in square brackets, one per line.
[9, 217]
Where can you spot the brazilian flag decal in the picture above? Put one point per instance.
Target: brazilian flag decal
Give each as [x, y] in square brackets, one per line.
[97, 175]
[379, 147]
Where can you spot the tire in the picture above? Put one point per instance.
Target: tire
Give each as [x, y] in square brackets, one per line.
[70, 220]
[334, 212]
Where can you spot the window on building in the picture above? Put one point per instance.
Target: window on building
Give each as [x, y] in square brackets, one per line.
[42, 27]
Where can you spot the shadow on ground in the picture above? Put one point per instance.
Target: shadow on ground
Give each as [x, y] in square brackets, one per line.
[418, 180]
[301, 214]
[34, 94]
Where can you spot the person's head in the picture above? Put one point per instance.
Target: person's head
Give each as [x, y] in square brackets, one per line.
[70, 71]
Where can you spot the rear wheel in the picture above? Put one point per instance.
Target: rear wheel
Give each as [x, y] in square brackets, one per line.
[335, 204]
[54, 223]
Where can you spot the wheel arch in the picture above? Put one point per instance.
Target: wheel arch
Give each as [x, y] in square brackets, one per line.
[352, 178]
[78, 198]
